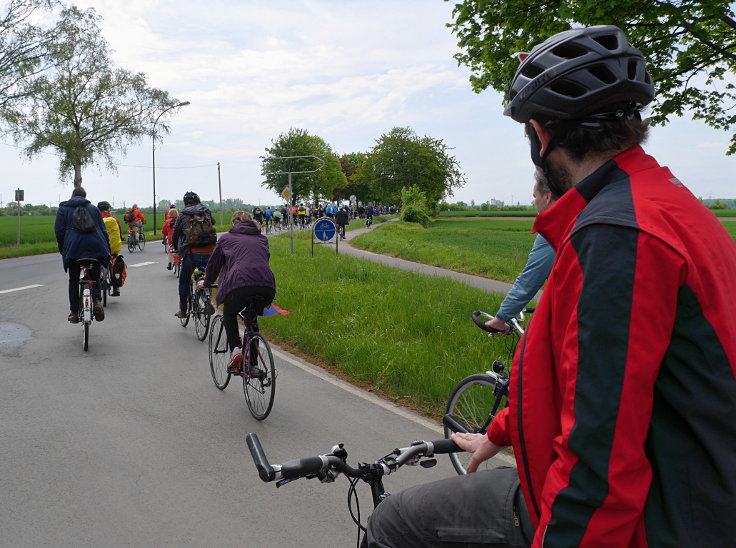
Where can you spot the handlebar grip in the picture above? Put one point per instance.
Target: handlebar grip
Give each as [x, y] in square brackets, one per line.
[445, 446]
[481, 323]
[265, 471]
[302, 467]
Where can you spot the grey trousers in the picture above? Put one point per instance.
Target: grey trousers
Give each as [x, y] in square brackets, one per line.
[486, 508]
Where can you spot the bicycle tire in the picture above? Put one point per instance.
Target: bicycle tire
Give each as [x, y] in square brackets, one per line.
[131, 245]
[470, 403]
[259, 392]
[85, 335]
[218, 353]
[202, 313]
[141, 243]
[185, 320]
[103, 287]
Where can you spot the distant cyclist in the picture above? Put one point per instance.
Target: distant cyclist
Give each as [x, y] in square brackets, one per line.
[194, 241]
[115, 236]
[81, 234]
[258, 215]
[168, 233]
[135, 221]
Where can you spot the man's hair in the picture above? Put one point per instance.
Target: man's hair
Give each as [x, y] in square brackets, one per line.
[79, 191]
[241, 217]
[605, 136]
[540, 181]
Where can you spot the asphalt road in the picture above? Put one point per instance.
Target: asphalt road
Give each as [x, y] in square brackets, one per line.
[131, 444]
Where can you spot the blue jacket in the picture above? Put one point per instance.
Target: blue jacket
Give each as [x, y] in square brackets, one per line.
[536, 271]
[73, 244]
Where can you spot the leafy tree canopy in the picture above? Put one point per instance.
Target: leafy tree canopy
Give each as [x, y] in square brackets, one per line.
[690, 46]
[402, 159]
[23, 48]
[82, 106]
[306, 187]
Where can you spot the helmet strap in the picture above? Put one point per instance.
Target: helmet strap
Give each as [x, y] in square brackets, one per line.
[540, 161]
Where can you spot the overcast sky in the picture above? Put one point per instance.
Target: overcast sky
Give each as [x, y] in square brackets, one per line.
[345, 70]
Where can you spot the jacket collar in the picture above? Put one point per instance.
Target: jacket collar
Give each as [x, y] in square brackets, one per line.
[556, 222]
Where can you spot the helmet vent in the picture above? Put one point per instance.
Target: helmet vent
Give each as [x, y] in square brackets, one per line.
[608, 41]
[569, 51]
[567, 88]
[531, 71]
[603, 73]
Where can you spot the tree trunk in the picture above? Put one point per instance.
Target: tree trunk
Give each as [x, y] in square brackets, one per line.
[77, 175]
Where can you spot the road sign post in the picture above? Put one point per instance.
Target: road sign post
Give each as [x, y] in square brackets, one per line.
[19, 197]
[290, 194]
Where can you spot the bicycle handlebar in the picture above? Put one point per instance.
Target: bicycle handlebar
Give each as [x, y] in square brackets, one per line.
[513, 322]
[476, 318]
[329, 465]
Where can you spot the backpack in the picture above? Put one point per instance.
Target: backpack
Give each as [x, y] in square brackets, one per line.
[129, 216]
[118, 270]
[82, 221]
[198, 230]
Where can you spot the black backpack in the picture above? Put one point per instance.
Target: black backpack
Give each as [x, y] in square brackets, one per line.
[82, 221]
[198, 230]
[129, 216]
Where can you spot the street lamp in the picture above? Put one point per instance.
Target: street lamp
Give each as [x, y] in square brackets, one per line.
[153, 156]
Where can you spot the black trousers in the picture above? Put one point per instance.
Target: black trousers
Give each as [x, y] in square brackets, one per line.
[73, 268]
[481, 509]
[255, 297]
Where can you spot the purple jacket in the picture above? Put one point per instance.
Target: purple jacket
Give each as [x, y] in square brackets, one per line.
[240, 259]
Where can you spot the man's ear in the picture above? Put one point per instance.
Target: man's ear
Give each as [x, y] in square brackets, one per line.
[544, 135]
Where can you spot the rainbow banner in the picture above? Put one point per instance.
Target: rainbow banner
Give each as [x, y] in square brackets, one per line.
[273, 310]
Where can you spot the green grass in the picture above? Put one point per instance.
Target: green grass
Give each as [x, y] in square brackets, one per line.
[492, 248]
[495, 213]
[37, 235]
[366, 320]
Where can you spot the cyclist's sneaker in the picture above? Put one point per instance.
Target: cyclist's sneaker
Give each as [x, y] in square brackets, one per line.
[98, 312]
[211, 308]
[181, 314]
[236, 363]
[168, 266]
[73, 317]
[115, 292]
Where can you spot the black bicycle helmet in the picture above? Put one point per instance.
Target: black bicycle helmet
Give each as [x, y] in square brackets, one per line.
[577, 73]
[103, 206]
[190, 199]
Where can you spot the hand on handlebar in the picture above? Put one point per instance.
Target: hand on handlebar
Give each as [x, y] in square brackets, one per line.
[479, 445]
[200, 284]
[499, 325]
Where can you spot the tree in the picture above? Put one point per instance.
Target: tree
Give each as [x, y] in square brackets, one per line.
[83, 107]
[306, 187]
[402, 159]
[350, 165]
[23, 49]
[690, 46]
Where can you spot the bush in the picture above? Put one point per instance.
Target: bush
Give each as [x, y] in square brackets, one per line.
[414, 207]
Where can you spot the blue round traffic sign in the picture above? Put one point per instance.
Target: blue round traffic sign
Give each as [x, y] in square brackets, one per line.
[325, 230]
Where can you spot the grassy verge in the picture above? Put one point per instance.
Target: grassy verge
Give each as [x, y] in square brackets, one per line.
[367, 321]
[491, 248]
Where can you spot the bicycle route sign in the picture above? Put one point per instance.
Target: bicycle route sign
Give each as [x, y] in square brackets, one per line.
[325, 230]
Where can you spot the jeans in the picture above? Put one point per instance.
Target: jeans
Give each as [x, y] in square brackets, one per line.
[187, 267]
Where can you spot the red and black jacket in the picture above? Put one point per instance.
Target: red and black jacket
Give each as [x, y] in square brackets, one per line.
[622, 412]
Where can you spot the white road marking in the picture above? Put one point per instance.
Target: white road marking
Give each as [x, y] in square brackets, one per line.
[142, 264]
[21, 288]
[507, 459]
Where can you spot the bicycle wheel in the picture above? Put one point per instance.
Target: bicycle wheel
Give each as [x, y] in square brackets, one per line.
[131, 244]
[470, 404]
[104, 284]
[259, 392]
[202, 313]
[141, 242]
[219, 355]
